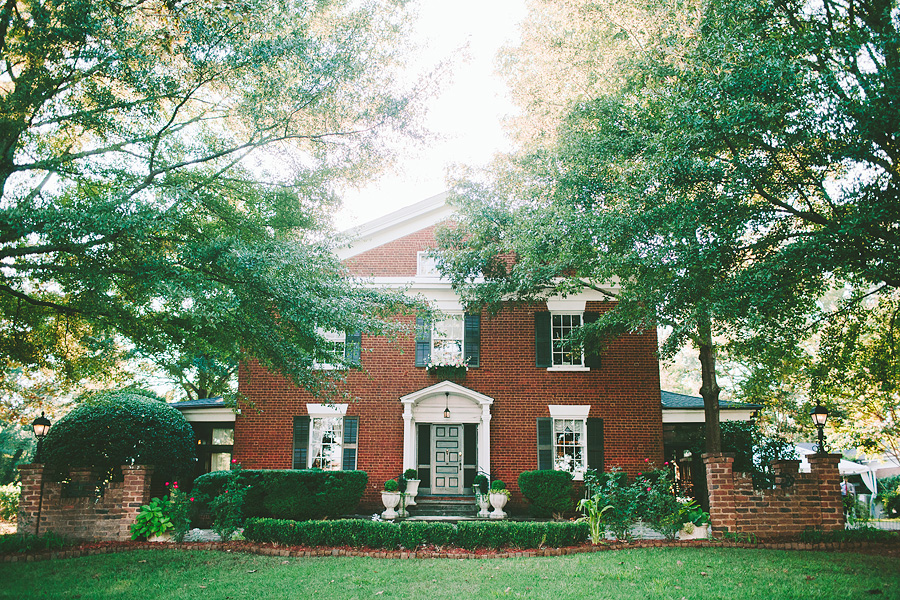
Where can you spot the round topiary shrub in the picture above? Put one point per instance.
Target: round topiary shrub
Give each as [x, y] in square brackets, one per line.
[118, 429]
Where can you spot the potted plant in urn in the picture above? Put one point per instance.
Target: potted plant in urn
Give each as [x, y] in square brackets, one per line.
[390, 497]
[412, 486]
[499, 496]
[482, 500]
[153, 522]
[695, 522]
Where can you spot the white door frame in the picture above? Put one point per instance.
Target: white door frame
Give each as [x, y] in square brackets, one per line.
[466, 406]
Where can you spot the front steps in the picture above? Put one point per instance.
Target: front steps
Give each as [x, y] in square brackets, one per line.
[443, 507]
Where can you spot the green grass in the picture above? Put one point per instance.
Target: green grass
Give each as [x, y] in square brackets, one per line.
[665, 573]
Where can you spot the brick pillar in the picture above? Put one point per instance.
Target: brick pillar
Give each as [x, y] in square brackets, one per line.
[31, 477]
[824, 470]
[786, 472]
[135, 493]
[720, 483]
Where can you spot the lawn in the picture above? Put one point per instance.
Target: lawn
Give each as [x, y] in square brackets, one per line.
[665, 573]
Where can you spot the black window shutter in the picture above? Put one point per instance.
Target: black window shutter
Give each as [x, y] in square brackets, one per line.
[301, 441]
[591, 353]
[542, 347]
[423, 341]
[472, 340]
[351, 435]
[353, 348]
[545, 443]
[595, 444]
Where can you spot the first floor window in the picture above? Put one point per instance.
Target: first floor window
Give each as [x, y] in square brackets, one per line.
[562, 440]
[326, 435]
[568, 446]
[325, 439]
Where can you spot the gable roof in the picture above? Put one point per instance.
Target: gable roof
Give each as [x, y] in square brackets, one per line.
[217, 402]
[395, 225]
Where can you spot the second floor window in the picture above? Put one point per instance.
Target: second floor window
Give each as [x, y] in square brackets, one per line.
[564, 352]
[454, 338]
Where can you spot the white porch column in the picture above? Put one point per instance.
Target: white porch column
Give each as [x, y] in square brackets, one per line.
[484, 439]
[409, 446]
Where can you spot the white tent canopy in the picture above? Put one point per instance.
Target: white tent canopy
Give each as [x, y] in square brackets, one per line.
[845, 467]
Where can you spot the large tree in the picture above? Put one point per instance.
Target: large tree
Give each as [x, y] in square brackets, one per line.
[746, 162]
[166, 169]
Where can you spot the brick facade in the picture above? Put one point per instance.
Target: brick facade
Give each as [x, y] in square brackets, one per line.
[624, 392]
[806, 501]
[106, 518]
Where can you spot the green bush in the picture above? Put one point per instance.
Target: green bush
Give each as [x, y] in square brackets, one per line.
[889, 495]
[549, 492]
[412, 534]
[296, 495]
[118, 429]
[14, 542]
[9, 501]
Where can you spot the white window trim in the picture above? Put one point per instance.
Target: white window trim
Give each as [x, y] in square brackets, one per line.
[564, 368]
[572, 412]
[324, 411]
[331, 336]
[452, 314]
[426, 266]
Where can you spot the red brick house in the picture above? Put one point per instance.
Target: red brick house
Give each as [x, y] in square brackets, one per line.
[526, 401]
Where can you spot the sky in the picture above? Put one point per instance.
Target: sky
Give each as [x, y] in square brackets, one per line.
[466, 112]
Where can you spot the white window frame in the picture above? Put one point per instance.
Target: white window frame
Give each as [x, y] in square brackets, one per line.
[322, 415]
[563, 414]
[333, 338]
[426, 265]
[459, 319]
[553, 353]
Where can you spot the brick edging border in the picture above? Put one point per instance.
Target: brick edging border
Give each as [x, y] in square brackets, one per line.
[294, 552]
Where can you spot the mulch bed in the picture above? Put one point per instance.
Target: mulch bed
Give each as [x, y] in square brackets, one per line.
[92, 548]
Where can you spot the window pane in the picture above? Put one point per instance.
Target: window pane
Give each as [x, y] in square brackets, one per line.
[568, 445]
[447, 340]
[223, 437]
[220, 461]
[564, 352]
[326, 437]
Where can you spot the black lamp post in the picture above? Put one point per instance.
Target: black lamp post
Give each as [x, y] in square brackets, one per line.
[819, 416]
[40, 426]
[446, 405]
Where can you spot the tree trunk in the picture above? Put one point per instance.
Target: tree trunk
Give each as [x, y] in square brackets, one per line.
[709, 388]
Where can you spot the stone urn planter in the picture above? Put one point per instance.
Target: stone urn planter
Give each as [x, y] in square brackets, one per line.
[390, 501]
[412, 490]
[483, 502]
[498, 501]
[694, 532]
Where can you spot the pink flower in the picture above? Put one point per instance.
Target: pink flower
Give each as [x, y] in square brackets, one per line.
[648, 489]
[192, 499]
[646, 460]
[639, 474]
[167, 484]
[234, 461]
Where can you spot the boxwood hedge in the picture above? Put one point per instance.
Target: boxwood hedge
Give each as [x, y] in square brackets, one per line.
[412, 534]
[290, 494]
[549, 492]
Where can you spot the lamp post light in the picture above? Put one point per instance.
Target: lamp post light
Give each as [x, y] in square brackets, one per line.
[819, 416]
[40, 426]
[446, 405]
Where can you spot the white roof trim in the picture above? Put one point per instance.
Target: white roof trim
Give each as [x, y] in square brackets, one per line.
[326, 410]
[396, 225]
[569, 411]
[688, 415]
[208, 415]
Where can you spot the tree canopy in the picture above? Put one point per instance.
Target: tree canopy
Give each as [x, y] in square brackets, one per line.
[745, 163]
[166, 169]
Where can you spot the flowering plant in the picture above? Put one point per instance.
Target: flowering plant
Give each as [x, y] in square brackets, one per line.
[180, 507]
[227, 507]
[446, 361]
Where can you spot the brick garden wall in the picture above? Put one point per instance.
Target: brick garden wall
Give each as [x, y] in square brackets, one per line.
[108, 517]
[811, 501]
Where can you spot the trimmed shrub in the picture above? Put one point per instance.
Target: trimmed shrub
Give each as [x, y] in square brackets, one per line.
[118, 429]
[412, 534]
[296, 495]
[549, 492]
